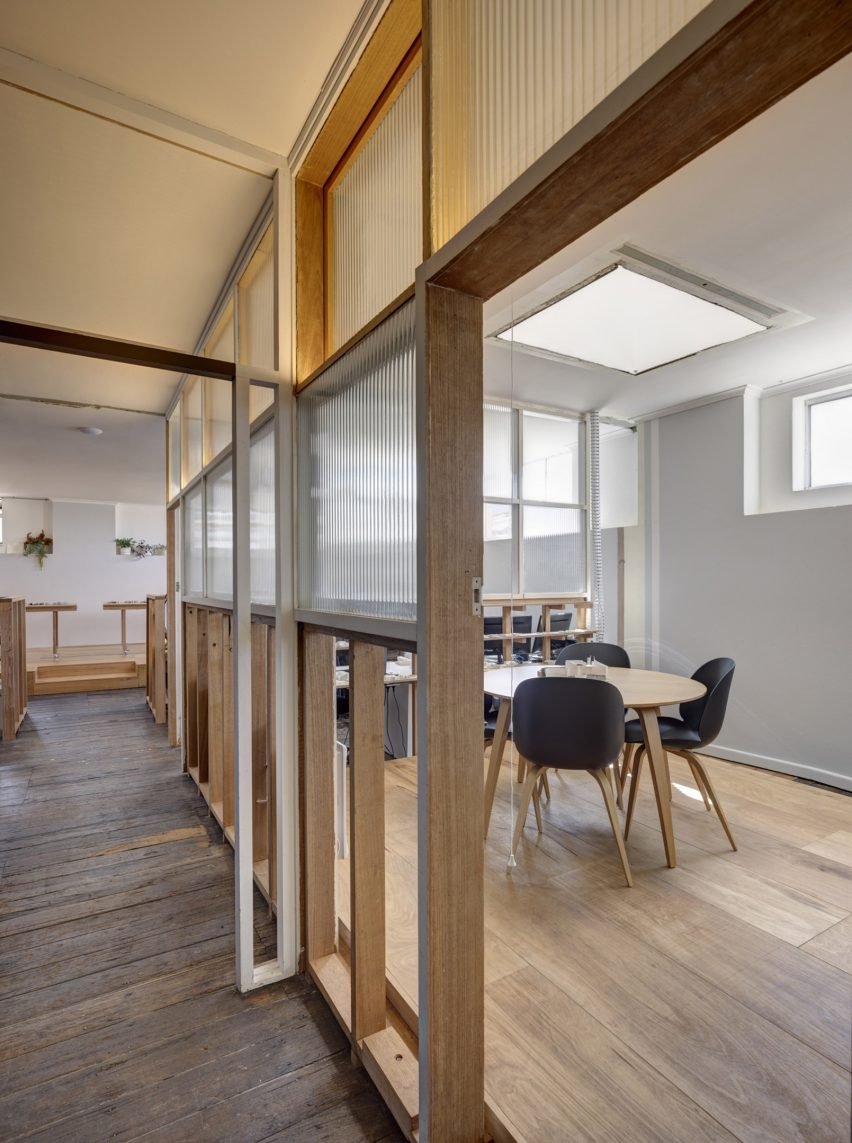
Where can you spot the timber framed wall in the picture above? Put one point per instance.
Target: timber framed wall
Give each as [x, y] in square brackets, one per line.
[741, 57]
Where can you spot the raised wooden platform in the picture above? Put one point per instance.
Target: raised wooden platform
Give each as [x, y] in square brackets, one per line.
[709, 1002]
[118, 1013]
[82, 669]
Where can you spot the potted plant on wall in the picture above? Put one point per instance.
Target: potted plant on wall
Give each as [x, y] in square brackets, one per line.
[38, 546]
[124, 545]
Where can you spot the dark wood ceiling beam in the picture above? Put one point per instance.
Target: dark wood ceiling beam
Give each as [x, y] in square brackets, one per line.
[759, 57]
[112, 349]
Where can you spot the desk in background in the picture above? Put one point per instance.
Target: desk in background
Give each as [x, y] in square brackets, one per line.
[55, 608]
[581, 604]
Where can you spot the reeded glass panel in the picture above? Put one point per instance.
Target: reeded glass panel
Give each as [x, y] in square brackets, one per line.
[377, 212]
[357, 483]
[191, 419]
[174, 452]
[499, 452]
[256, 293]
[498, 576]
[220, 343]
[193, 543]
[217, 416]
[553, 551]
[220, 532]
[262, 493]
[511, 77]
[551, 452]
[260, 399]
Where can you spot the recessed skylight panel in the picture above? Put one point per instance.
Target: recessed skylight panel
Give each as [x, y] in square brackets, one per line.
[627, 321]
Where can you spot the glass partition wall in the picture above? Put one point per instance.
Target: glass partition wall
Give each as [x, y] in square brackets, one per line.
[229, 479]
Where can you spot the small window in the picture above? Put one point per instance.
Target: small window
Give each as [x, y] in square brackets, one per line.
[828, 439]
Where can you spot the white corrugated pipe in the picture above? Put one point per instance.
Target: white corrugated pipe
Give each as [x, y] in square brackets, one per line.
[596, 562]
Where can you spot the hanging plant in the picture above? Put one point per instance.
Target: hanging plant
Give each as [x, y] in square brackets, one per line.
[38, 546]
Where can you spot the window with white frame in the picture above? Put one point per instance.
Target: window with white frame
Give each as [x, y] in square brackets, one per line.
[828, 438]
[534, 491]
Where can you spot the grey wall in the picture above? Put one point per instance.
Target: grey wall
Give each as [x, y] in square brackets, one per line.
[774, 591]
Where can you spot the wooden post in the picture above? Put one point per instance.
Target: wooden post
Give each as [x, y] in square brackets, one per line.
[259, 744]
[171, 626]
[190, 674]
[228, 724]
[13, 664]
[216, 710]
[367, 837]
[318, 734]
[449, 763]
[201, 617]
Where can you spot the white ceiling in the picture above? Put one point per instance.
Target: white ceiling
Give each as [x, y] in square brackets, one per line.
[39, 442]
[767, 212]
[251, 69]
[108, 227]
[107, 230]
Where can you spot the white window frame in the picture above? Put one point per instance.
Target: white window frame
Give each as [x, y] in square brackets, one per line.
[518, 502]
[840, 394]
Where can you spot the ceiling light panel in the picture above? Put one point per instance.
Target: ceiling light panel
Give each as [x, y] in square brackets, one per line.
[630, 322]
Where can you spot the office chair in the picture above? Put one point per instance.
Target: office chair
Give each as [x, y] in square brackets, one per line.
[568, 724]
[559, 621]
[699, 724]
[609, 653]
[522, 624]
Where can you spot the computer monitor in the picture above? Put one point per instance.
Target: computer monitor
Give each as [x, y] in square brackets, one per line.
[559, 621]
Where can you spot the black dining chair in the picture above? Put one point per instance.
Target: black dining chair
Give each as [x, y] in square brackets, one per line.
[612, 656]
[568, 724]
[699, 724]
[609, 653]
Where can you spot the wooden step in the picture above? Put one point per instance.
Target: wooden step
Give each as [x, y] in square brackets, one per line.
[66, 672]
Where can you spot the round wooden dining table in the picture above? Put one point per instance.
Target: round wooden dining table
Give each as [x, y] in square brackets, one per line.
[643, 691]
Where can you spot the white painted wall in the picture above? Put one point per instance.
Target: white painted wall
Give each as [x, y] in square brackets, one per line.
[84, 568]
[770, 590]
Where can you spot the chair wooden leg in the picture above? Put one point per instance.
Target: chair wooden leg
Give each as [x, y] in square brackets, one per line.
[609, 802]
[634, 787]
[532, 775]
[699, 769]
[616, 785]
[627, 763]
[544, 786]
[522, 767]
[536, 800]
[699, 782]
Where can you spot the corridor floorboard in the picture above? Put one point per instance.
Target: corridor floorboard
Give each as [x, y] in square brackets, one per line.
[118, 1014]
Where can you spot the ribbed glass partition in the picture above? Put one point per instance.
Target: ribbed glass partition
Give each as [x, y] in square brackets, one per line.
[377, 218]
[220, 343]
[191, 446]
[217, 417]
[174, 452]
[511, 77]
[193, 542]
[256, 320]
[357, 481]
[262, 494]
[220, 532]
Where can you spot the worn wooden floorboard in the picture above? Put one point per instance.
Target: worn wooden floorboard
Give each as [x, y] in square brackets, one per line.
[118, 1015]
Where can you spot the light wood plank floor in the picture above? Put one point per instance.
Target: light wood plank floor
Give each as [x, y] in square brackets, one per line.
[709, 1002]
[118, 1015]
